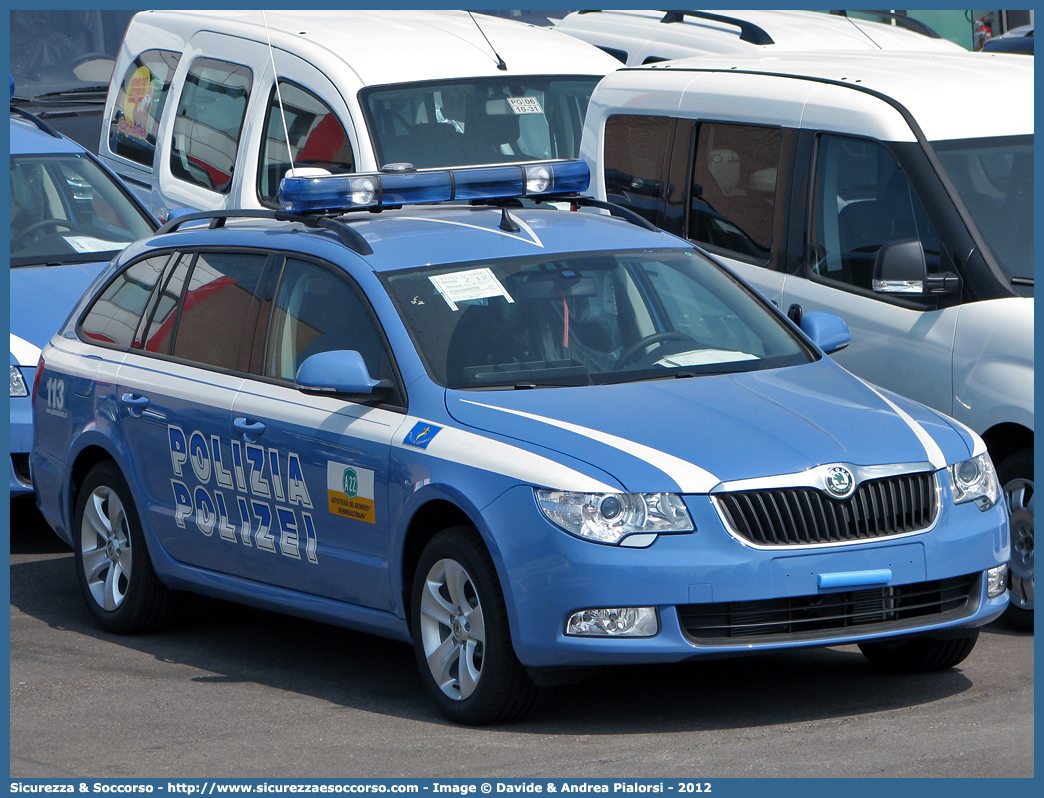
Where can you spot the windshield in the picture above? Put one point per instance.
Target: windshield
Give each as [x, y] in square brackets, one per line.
[589, 318]
[66, 209]
[994, 177]
[478, 121]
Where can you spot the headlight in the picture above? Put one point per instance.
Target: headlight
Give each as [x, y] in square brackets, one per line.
[612, 517]
[17, 383]
[975, 480]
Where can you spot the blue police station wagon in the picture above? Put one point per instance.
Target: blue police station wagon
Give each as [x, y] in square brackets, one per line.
[528, 440]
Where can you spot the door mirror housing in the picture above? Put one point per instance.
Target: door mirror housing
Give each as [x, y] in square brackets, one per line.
[827, 330]
[900, 268]
[338, 371]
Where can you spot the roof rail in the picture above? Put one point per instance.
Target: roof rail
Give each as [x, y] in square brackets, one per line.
[350, 237]
[46, 128]
[749, 32]
[901, 20]
[614, 210]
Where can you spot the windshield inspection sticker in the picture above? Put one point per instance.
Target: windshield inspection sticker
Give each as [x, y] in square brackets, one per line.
[525, 105]
[704, 357]
[350, 492]
[464, 286]
[85, 244]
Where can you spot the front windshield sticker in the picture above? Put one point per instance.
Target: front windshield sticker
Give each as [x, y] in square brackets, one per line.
[704, 357]
[469, 285]
[525, 105]
[350, 492]
[84, 244]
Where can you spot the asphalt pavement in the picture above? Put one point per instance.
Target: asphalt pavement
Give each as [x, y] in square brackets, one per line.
[237, 692]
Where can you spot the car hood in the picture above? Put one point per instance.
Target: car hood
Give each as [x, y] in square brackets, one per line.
[692, 434]
[41, 300]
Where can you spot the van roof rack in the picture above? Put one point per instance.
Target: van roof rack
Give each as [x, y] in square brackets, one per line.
[350, 237]
[749, 32]
[901, 20]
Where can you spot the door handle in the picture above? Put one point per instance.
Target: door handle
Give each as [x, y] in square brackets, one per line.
[246, 427]
[136, 403]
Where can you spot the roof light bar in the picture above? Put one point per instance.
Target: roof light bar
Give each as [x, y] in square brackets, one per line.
[333, 193]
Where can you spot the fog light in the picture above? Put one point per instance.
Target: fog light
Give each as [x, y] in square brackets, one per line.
[996, 581]
[614, 622]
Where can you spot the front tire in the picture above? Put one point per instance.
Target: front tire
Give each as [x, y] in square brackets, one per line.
[112, 562]
[460, 632]
[1016, 477]
[920, 654]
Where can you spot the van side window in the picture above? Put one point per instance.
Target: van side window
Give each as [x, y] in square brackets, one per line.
[139, 105]
[862, 201]
[208, 123]
[734, 189]
[317, 138]
[114, 317]
[634, 155]
[216, 308]
[316, 311]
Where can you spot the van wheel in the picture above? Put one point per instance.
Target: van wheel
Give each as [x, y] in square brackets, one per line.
[460, 633]
[1016, 477]
[112, 562]
[919, 654]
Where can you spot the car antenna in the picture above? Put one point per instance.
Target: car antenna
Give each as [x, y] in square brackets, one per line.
[279, 94]
[500, 61]
[867, 35]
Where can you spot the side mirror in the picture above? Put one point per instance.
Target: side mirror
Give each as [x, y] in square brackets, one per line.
[827, 330]
[900, 268]
[336, 371]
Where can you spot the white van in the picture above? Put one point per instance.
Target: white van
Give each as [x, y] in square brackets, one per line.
[638, 37]
[868, 185]
[192, 117]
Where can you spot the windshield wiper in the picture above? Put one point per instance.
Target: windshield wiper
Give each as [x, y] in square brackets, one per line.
[1022, 281]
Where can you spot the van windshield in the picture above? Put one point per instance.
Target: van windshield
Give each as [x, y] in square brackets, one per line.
[994, 177]
[478, 120]
[589, 318]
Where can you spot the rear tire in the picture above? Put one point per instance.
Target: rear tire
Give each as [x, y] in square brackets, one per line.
[920, 654]
[460, 633]
[112, 561]
[1016, 478]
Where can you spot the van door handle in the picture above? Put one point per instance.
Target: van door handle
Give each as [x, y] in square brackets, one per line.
[246, 427]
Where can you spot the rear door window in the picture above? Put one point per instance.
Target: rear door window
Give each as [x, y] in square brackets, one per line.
[139, 105]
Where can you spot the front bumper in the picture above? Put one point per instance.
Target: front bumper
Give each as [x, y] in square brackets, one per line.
[548, 574]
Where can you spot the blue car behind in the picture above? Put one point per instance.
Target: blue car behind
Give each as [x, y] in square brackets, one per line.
[69, 217]
[529, 441]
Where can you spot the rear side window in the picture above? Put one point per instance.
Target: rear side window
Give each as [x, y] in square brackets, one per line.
[317, 138]
[114, 317]
[160, 331]
[634, 155]
[139, 105]
[216, 308]
[734, 189]
[209, 122]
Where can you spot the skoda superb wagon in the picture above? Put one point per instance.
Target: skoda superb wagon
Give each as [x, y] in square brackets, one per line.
[527, 440]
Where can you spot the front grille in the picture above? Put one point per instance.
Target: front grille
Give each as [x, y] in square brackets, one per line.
[809, 617]
[21, 468]
[807, 516]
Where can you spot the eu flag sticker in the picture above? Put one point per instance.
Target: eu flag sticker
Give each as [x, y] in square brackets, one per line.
[421, 435]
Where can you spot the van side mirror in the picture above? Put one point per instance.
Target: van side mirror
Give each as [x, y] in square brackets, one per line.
[827, 330]
[335, 372]
[900, 268]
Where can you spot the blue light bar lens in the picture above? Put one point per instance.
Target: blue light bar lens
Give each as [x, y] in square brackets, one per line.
[332, 193]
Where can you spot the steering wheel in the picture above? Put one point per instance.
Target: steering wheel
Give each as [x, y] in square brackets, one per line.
[35, 227]
[654, 338]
